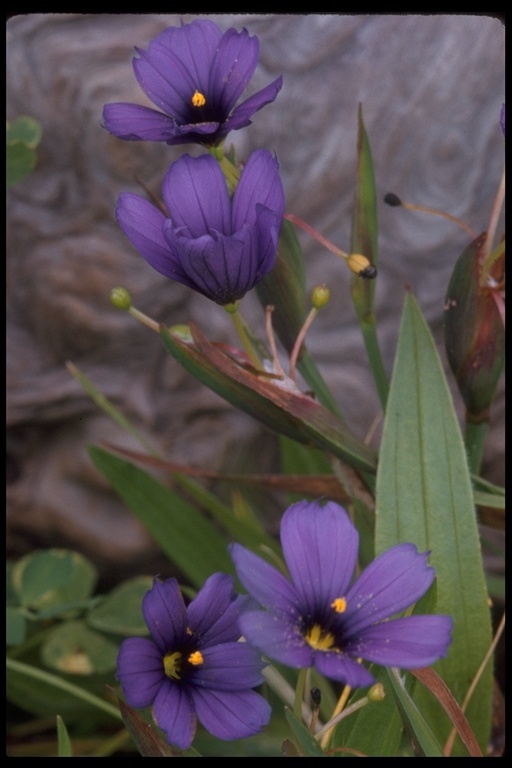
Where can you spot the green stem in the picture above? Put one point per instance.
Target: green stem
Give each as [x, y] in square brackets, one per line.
[474, 438]
[299, 693]
[239, 324]
[74, 690]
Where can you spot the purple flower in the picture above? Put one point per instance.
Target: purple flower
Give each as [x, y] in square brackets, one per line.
[220, 247]
[195, 74]
[316, 618]
[193, 666]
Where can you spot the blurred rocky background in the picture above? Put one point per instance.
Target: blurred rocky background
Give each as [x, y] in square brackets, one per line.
[431, 88]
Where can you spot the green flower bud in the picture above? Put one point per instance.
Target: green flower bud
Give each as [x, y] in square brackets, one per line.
[120, 298]
[320, 295]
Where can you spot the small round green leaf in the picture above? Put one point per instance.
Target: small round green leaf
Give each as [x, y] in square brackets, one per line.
[120, 611]
[75, 649]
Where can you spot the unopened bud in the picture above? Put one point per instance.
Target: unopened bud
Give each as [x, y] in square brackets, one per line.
[474, 333]
[361, 266]
[120, 298]
[377, 693]
[320, 295]
[392, 200]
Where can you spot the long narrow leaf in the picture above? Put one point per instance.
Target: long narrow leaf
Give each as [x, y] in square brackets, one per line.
[186, 536]
[424, 495]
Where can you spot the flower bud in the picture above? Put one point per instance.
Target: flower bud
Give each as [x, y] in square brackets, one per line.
[377, 693]
[474, 332]
[120, 298]
[320, 296]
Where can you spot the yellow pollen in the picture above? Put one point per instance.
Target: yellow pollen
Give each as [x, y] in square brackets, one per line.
[189, 631]
[172, 665]
[196, 658]
[339, 605]
[198, 100]
[318, 639]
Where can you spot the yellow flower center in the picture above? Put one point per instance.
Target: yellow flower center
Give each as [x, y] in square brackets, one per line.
[196, 658]
[198, 100]
[319, 639]
[172, 665]
[339, 605]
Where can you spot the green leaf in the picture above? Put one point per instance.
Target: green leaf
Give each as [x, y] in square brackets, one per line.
[63, 740]
[26, 129]
[23, 135]
[186, 536]
[53, 578]
[120, 612]
[15, 625]
[423, 740]
[42, 693]
[424, 495]
[73, 648]
[364, 241]
[283, 409]
[376, 729]
[310, 746]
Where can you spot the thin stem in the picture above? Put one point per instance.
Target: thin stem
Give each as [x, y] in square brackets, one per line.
[300, 338]
[299, 693]
[144, 319]
[272, 341]
[335, 720]
[495, 214]
[316, 235]
[243, 336]
[338, 708]
[442, 214]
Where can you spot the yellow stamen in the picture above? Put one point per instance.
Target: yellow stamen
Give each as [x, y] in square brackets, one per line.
[172, 665]
[198, 100]
[196, 658]
[339, 605]
[318, 639]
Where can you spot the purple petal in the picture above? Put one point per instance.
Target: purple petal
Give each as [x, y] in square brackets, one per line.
[177, 63]
[173, 712]
[264, 582]
[142, 224]
[232, 68]
[391, 583]
[231, 715]
[413, 641]
[164, 612]
[338, 666]
[320, 546]
[133, 122]
[229, 667]
[241, 115]
[213, 613]
[218, 267]
[267, 229]
[140, 670]
[196, 195]
[259, 183]
[277, 637]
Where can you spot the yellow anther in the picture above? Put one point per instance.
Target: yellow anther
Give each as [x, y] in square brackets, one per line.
[357, 262]
[196, 658]
[318, 639]
[339, 605]
[172, 665]
[198, 100]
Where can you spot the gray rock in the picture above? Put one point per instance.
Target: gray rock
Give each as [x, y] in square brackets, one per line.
[431, 88]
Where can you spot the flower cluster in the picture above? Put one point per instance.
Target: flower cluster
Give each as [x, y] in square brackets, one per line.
[194, 666]
[217, 232]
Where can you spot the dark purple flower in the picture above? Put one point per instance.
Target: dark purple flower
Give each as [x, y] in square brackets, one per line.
[195, 74]
[193, 666]
[217, 245]
[316, 618]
